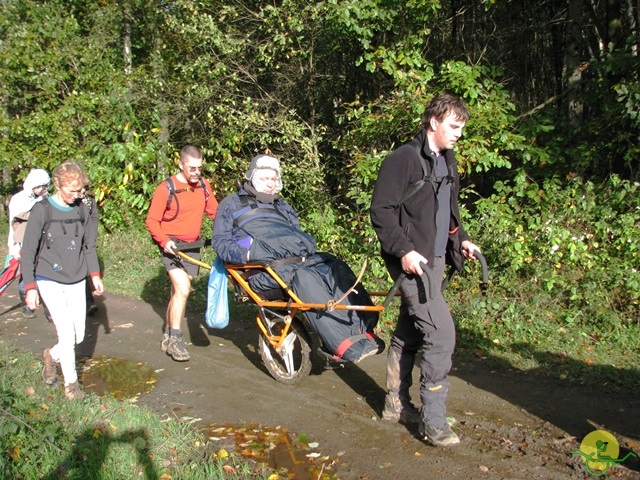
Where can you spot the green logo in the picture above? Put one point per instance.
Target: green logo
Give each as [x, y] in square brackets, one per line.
[600, 451]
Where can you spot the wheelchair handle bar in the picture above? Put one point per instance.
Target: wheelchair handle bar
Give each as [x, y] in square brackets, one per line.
[485, 270]
[430, 279]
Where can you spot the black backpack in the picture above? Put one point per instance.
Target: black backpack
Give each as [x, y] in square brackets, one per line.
[70, 221]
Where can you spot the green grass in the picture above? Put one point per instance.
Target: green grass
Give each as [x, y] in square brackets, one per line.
[516, 332]
[44, 436]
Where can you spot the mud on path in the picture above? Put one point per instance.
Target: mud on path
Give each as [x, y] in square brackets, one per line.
[512, 426]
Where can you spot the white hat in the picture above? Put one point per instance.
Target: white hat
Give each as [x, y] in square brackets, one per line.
[262, 161]
[36, 177]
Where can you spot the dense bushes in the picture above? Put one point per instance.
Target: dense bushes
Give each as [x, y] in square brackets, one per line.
[577, 243]
[564, 296]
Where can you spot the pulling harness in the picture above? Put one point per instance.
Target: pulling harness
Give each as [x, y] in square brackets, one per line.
[437, 182]
[173, 193]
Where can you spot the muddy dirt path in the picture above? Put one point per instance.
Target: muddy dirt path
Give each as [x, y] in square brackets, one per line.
[512, 426]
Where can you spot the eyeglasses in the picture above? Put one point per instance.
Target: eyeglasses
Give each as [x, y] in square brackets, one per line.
[194, 169]
[70, 190]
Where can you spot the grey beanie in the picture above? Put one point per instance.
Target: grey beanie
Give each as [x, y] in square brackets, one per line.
[263, 161]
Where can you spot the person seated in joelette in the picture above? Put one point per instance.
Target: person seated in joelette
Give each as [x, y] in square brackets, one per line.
[256, 224]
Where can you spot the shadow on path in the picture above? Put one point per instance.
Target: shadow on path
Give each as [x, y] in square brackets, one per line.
[91, 449]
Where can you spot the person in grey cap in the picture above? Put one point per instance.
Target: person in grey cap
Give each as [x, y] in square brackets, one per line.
[256, 225]
[34, 189]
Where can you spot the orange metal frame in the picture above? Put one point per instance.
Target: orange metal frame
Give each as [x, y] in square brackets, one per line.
[292, 306]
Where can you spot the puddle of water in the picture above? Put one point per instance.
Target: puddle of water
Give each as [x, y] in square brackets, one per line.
[117, 377]
[273, 448]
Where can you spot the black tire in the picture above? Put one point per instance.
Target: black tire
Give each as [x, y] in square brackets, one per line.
[299, 357]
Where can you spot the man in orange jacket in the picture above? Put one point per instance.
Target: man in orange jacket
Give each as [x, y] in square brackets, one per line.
[175, 218]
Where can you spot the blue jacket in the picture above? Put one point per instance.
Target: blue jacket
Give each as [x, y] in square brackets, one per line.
[232, 243]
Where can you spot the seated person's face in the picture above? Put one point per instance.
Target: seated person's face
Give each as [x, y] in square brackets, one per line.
[264, 181]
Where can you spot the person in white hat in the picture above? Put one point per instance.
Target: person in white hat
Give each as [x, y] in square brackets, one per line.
[34, 189]
[262, 184]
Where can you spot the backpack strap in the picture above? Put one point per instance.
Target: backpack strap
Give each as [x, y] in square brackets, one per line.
[250, 208]
[437, 182]
[48, 220]
[173, 194]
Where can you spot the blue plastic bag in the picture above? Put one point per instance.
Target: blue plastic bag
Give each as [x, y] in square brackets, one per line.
[217, 315]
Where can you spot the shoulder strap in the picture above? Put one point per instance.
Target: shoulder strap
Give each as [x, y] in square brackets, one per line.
[437, 182]
[47, 214]
[206, 192]
[48, 220]
[414, 187]
[83, 206]
[250, 209]
[173, 193]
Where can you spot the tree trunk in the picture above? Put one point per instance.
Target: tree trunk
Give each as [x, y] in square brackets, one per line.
[573, 57]
[4, 199]
[633, 7]
[126, 41]
[163, 134]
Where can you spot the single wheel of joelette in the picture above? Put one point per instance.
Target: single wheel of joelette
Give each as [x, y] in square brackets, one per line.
[291, 363]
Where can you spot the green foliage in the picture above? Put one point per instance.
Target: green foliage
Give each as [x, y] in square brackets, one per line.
[563, 262]
[331, 88]
[577, 240]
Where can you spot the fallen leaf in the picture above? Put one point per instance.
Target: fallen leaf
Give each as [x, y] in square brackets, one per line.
[15, 453]
[228, 469]
[562, 441]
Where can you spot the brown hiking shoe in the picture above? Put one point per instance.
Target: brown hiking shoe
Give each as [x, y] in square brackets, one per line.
[73, 392]
[49, 371]
[176, 348]
[164, 344]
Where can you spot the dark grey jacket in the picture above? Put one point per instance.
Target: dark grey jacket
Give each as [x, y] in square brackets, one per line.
[63, 252]
[403, 227]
